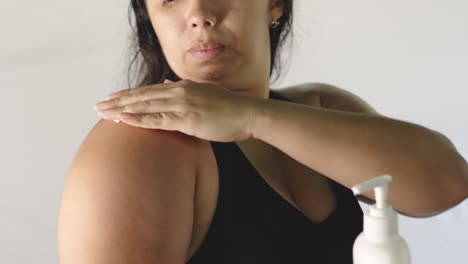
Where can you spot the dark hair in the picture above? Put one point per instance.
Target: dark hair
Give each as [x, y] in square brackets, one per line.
[149, 57]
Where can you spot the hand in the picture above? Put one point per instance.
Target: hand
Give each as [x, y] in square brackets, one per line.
[206, 111]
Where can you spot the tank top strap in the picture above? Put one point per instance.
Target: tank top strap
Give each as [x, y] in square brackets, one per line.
[276, 95]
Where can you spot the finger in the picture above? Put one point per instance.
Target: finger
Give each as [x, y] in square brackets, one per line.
[165, 121]
[134, 98]
[153, 106]
[116, 94]
[139, 90]
[145, 107]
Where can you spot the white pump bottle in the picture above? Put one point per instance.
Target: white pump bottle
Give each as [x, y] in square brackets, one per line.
[379, 243]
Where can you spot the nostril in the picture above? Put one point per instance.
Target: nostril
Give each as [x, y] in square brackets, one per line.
[202, 22]
[207, 23]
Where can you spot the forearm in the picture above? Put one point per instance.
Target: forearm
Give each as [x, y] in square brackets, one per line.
[351, 148]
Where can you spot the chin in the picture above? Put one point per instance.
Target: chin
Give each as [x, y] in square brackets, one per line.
[219, 77]
[214, 76]
[211, 76]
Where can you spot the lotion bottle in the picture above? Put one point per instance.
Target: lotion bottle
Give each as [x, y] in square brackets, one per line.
[379, 243]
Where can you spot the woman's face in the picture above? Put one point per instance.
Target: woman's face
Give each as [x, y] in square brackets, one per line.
[220, 41]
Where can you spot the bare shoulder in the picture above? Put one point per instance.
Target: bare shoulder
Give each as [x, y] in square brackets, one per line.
[119, 147]
[327, 96]
[128, 196]
[301, 93]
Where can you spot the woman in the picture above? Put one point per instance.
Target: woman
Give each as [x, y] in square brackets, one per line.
[208, 165]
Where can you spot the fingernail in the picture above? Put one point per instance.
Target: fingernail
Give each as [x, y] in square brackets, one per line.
[111, 96]
[104, 115]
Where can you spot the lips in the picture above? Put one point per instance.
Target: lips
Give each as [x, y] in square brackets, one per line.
[207, 51]
[206, 46]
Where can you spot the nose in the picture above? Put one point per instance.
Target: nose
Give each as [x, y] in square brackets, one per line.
[201, 16]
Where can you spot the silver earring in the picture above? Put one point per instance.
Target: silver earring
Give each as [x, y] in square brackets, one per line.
[275, 23]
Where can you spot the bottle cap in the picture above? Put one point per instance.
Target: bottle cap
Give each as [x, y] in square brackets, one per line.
[380, 221]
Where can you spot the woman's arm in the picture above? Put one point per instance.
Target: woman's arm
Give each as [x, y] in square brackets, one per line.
[128, 198]
[429, 175]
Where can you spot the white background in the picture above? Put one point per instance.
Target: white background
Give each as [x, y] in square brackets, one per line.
[408, 59]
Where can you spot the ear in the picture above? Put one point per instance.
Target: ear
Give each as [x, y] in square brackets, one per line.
[167, 81]
[276, 9]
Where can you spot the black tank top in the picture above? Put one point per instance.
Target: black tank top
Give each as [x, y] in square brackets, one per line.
[254, 224]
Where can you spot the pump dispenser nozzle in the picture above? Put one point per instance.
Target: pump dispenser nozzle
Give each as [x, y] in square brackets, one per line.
[380, 186]
[380, 241]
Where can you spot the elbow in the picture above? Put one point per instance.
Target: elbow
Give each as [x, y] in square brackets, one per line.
[449, 188]
[457, 186]
[460, 186]
[464, 177]
[454, 187]
[452, 178]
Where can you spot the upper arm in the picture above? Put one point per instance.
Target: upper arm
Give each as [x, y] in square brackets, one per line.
[337, 98]
[329, 97]
[128, 198]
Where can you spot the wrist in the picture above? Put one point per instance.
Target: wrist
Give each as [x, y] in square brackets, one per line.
[260, 117]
